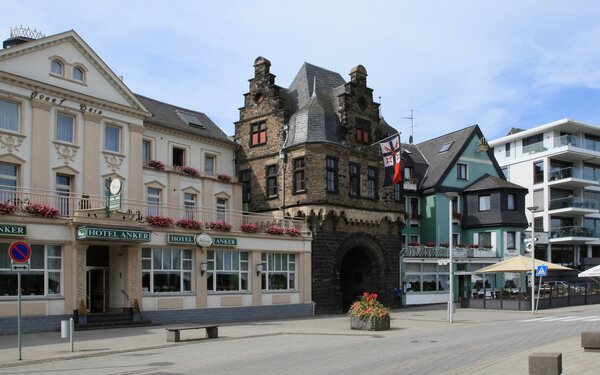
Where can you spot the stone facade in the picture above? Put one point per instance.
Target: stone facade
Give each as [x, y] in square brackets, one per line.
[321, 116]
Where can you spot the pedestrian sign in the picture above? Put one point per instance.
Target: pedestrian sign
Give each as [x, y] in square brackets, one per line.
[541, 271]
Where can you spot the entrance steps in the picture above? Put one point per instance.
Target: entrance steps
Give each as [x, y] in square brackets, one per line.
[111, 320]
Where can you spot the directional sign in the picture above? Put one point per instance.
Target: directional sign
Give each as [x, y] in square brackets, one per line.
[19, 251]
[541, 271]
[19, 267]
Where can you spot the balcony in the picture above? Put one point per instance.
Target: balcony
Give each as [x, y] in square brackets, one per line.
[19, 201]
[570, 206]
[573, 234]
[418, 251]
[571, 177]
[534, 148]
[575, 148]
[410, 184]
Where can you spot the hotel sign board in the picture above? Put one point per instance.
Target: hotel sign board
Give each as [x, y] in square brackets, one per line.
[181, 239]
[13, 230]
[224, 241]
[109, 234]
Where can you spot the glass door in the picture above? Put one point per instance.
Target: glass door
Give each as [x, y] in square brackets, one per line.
[97, 289]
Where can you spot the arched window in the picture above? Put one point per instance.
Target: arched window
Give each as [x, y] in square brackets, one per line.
[57, 67]
[78, 74]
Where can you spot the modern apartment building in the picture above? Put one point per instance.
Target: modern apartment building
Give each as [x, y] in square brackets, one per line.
[559, 163]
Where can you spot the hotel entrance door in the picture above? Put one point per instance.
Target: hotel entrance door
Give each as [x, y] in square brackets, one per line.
[97, 285]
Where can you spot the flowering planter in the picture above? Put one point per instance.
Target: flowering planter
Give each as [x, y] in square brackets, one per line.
[369, 325]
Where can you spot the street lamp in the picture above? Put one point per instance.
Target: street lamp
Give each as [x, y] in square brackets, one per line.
[451, 195]
[532, 209]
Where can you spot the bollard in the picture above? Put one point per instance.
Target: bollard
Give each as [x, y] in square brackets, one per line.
[65, 328]
[545, 364]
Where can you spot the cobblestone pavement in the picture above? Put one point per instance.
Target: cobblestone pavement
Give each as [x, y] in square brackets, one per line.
[421, 341]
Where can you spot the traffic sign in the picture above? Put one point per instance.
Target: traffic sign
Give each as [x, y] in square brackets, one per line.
[19, 267]
[19, 251]
[541, 271]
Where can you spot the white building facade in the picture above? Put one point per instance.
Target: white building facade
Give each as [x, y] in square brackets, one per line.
[559, 163]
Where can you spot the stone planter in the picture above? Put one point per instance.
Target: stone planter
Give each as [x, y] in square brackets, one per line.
[368, 325]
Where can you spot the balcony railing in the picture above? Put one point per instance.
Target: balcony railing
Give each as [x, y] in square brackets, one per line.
[571, 202]
[19, 199]
[534, 148]
[572, 140]
[442, 252]
[573, 231]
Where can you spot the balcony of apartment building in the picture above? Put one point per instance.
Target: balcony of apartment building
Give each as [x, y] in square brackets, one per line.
[571, 177]
[27, 202]
[576, 235]
[572, 206]
[432, 250]
[574, 148]
[410, 184]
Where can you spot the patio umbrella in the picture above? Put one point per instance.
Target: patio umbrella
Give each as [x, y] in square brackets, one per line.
[592, 272]
[520, 264]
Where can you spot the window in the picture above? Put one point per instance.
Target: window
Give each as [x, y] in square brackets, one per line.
[245, 180]
[414, 210]
[78, 74]
[153, 201]
[146, 151]
[505, 172]
[8, 181]
[299, 182]
[56, 67]
[43, 278]
[397, 192]
[272, 190]
[65, 126]
[332, 174]
[484, 203]
[63, 191]
[178, 157]
[166, 270]
[538, 199]
[538, 172]
[189, 204]
[533, 144]
[408, 173]
[372, 182]
[258, 134]
[510, 205]
[221, 208]
[511, 240]
[445, 147]
[354, 180]
[461, 171]
[9, 116]
[279, 271]
[507, 150]
[484, 239]
[226, 271]
[362, 131]
[209, 165]
[427, 277]
[112, 138]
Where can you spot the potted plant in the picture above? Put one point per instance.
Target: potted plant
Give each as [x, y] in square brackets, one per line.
[159, 221]
[369, 314]
[292, 231]
[249, 228]
[189, 170]
[81, 313]
[429, 244]
[274, 229]
[156, 164]
[136, 311]
[43, 210]
[189, 224]
[220, 226]
[224, 177]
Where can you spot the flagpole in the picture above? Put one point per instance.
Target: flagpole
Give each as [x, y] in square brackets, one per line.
[385, 139]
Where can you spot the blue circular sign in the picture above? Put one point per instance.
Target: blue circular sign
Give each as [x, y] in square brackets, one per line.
[19, 251]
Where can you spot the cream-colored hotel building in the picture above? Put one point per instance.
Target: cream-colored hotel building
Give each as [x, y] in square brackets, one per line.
[125, 200]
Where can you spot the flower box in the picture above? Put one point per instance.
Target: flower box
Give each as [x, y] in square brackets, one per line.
[429, 244]
[220, 226]
[43, 210]
[224, 177]
[188, 170]
[7, 208]
[369, 325]
[274, 229]
[159, 221]
[189, 224]
[292, 231]
[249, 228]
[156, 164]
[369, 314]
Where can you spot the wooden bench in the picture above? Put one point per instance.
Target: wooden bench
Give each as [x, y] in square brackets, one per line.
[173, 333]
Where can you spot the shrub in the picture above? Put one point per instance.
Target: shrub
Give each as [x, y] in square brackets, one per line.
[189, 224]
[220, 225]
[43, 210]
[249, 228]
[159, 221]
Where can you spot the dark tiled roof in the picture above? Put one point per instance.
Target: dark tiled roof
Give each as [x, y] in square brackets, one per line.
[514, 131]
[171, 116]
[314, 117]
[489, 182]
[440, 162]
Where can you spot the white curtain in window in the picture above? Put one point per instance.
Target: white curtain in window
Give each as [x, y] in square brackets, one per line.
[9, 116]
[112, 138]
[64, 128]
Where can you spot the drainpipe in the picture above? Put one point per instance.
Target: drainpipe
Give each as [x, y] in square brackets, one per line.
[283, 158]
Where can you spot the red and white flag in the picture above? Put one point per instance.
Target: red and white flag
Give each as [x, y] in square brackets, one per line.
[390, 149]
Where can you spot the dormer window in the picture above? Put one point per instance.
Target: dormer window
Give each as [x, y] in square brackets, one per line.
[57, 67]
[78, 74]
[191, 119]
[445, 147]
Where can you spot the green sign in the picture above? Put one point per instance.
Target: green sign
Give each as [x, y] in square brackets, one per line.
[224, 241]
[114, 202]
[184, 239]
[13, 230]
[85, 233]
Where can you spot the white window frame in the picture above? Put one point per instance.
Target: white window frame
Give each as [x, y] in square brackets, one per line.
[228, 266]
[57, 63]
[47, 268]
[106, 137]
[184, 266]
[511, 197]
[221, 205]
[440, 273]
[184, 150]
[4, 118]
[153, 199]
[278, 264]
[482, 203]
[214, 164]
[147, 152]
[189, 204]
[58, 131]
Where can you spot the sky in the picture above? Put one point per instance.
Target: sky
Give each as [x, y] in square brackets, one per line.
[498, 64]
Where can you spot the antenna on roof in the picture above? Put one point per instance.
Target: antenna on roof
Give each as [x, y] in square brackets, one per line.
[380, 107]
[412, 126]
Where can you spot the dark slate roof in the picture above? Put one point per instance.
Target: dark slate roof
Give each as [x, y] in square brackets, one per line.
[440, 162]
[514, 131]
[173, 117]
[314, 112]
[489, 182]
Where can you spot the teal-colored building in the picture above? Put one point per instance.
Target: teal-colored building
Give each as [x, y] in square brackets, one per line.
[487, 214]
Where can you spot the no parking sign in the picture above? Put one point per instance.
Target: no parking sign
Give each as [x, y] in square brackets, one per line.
[19, 252]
